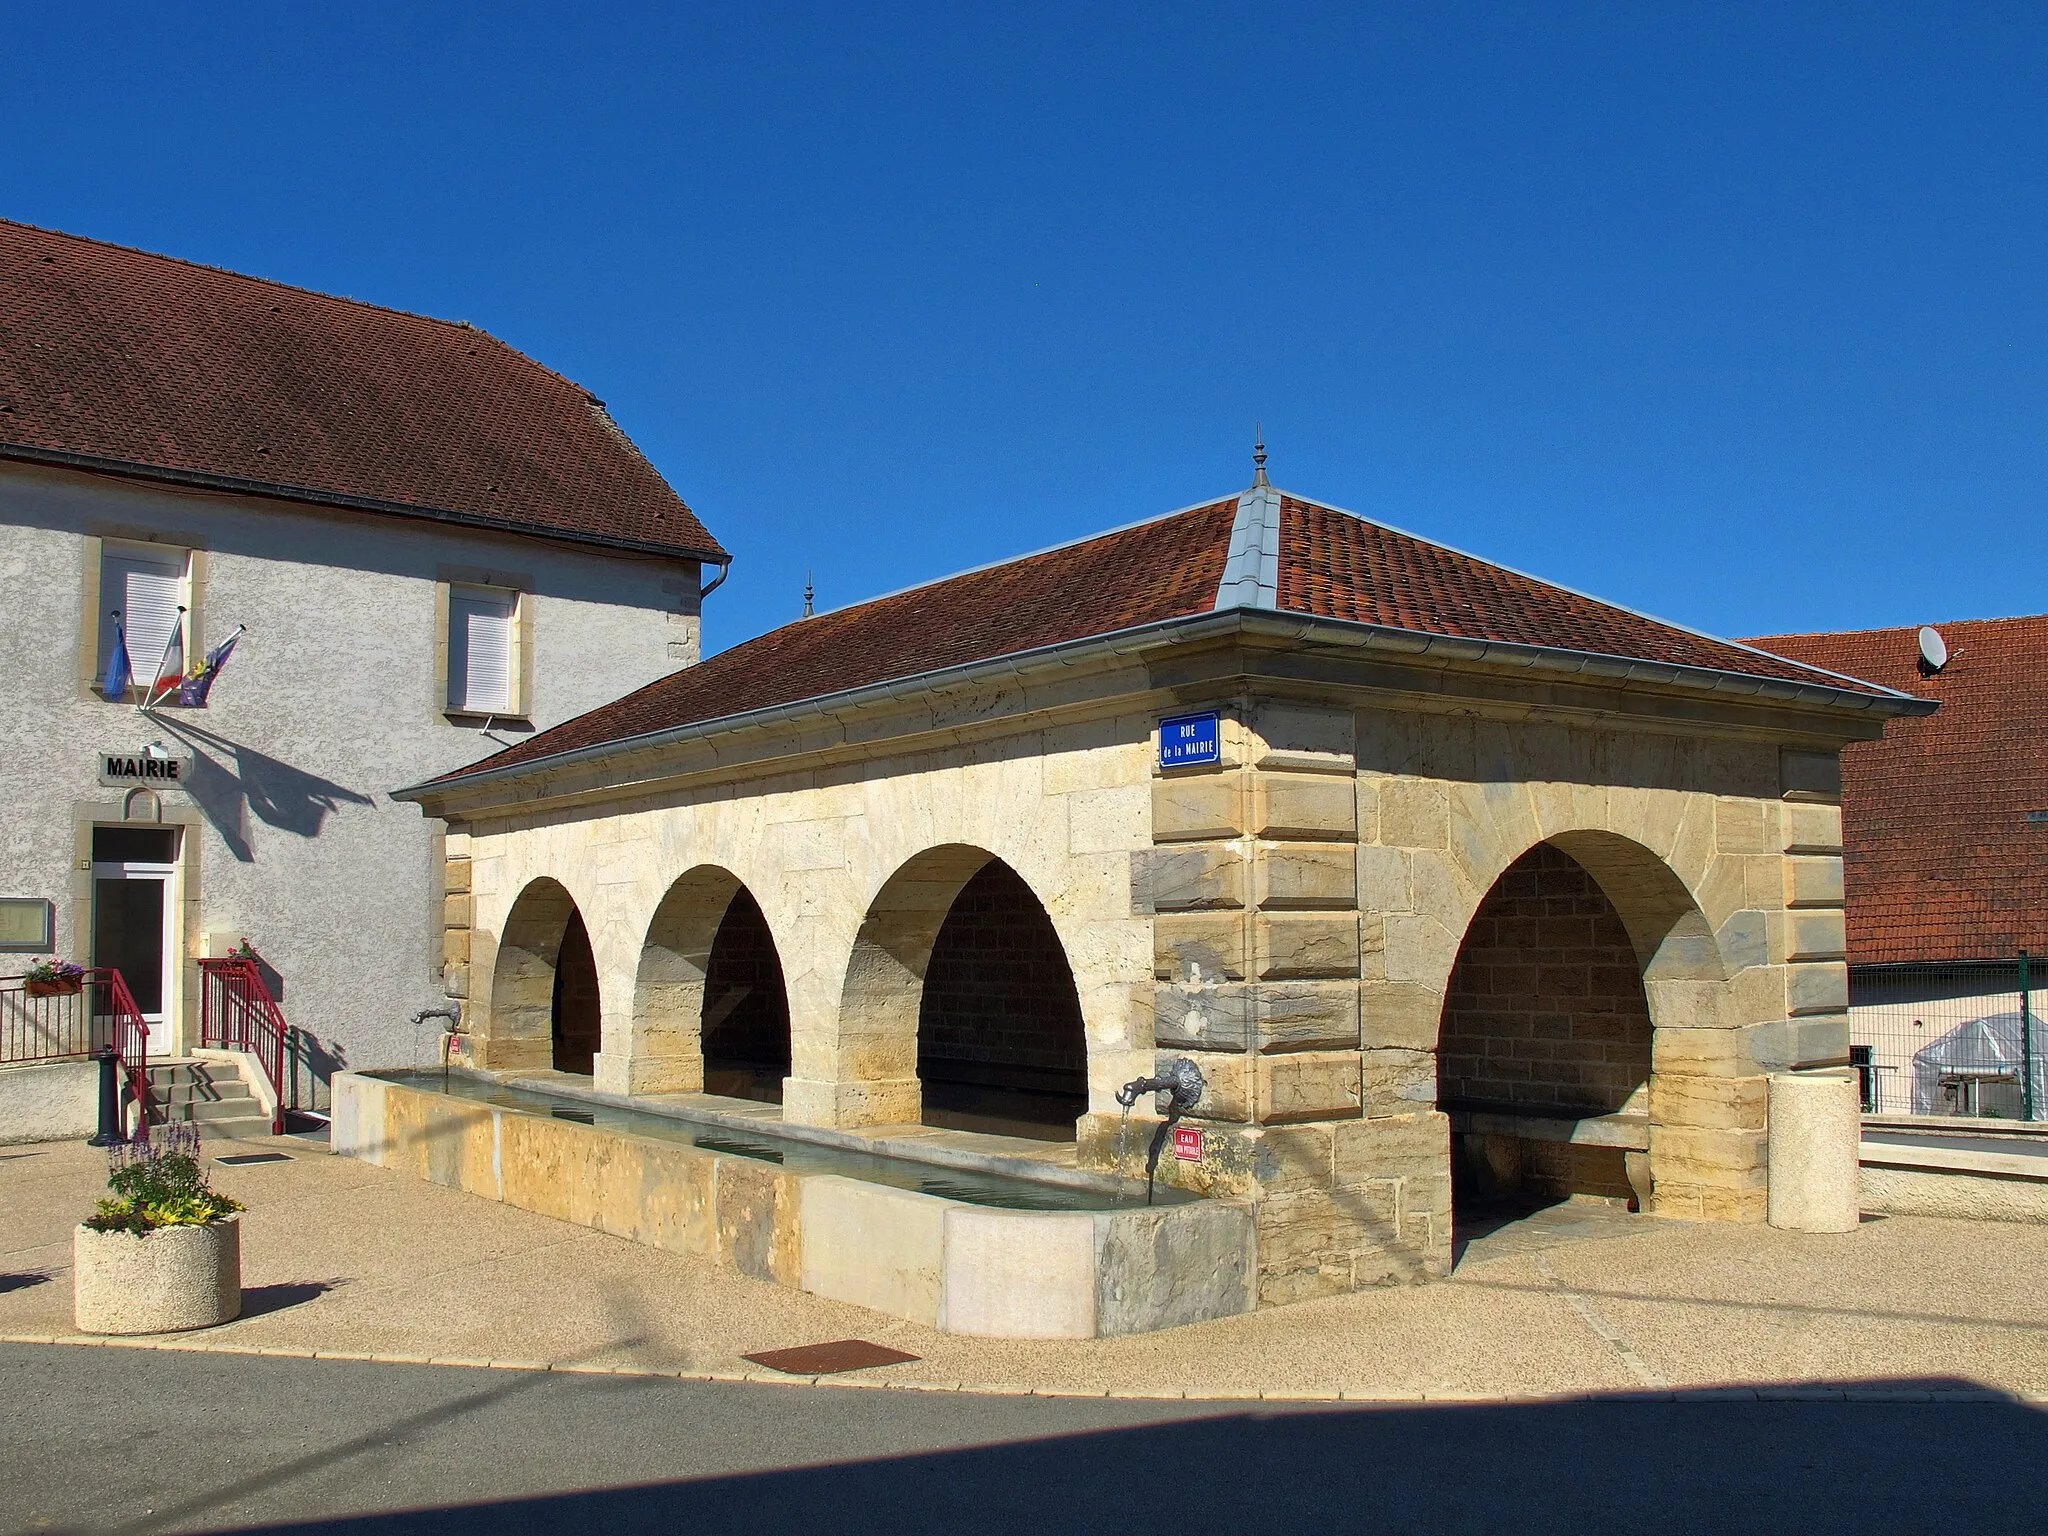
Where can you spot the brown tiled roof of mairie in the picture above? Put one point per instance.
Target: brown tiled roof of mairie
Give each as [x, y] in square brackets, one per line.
[119, 358]
[1166, 569]
[1338, 566]
[1940, 862]
[1333, 565]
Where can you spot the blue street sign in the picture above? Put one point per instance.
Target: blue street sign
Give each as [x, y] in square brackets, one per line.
[1186, 740]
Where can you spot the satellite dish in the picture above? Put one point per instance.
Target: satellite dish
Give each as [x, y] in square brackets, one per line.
[1933, 649]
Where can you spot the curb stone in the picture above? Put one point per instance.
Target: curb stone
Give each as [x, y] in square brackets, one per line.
[1364, 1397]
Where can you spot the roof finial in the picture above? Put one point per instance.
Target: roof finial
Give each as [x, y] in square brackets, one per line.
[808, 594]
[1259, 456]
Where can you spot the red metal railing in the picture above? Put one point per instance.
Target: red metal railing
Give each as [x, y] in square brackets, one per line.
[47, 1025]
[237, 1013]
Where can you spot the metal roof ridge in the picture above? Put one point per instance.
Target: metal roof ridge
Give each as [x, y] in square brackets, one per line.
[1251, 566]
[1605, 602]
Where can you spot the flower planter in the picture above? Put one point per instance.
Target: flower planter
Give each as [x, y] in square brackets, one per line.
[35, 988]
[164, 1281]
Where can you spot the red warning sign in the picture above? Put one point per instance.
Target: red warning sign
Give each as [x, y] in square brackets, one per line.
[1187, 1143]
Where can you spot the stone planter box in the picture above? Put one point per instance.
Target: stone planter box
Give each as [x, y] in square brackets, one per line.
[164, 1281]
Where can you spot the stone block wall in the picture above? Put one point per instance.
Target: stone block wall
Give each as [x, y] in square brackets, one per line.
[1259, 947]
[1290, 918]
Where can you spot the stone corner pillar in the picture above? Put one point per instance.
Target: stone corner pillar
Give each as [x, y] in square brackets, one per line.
[1816, 1128]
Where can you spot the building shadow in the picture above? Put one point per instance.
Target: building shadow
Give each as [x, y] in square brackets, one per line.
[231, 782]
[1585, 1465]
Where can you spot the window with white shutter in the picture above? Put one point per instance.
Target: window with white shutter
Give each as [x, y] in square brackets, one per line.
[483, 650]
[142, 587]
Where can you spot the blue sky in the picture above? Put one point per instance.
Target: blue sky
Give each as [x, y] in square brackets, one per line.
[1733, 313]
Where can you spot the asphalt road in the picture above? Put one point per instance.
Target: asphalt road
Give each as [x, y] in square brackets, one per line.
[130, 1440]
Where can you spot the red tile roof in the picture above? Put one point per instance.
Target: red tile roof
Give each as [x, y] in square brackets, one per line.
[1162, 570]
[1940, 860]
[1340, 566]
[117, 359]
[1330, 564]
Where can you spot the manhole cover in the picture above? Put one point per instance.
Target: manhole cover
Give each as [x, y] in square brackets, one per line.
[824, 1359]
[238, 1158]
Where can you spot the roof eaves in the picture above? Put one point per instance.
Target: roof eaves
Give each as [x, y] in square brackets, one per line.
[133, 469]
[1289, 626]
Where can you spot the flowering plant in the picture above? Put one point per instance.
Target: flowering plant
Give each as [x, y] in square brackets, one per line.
[159, 1183]
[54, 969]
[242, 951]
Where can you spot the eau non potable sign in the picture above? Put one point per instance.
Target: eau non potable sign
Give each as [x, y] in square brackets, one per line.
[1188, 740]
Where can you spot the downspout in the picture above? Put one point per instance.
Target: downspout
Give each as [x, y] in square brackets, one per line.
[724, 570]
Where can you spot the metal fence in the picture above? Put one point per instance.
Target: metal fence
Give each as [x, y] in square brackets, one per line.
[1961, 1041]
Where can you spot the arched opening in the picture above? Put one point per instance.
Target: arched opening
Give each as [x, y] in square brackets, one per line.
[710, 1011]
[1000, 1042]
[1546, 1036]
[544, 1004]
[746, 1007]
[577, 1023]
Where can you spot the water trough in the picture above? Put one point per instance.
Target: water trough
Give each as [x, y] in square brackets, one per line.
[966, 1242]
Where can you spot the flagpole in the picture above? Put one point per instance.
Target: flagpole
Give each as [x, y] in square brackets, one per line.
[150, 698]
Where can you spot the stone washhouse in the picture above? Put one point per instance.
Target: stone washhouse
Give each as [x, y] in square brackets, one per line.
[1472, 883]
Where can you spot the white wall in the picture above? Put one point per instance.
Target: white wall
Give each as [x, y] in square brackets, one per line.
[329, 703]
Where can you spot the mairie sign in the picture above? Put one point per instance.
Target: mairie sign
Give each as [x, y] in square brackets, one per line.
[1186, 740]
[147, 770]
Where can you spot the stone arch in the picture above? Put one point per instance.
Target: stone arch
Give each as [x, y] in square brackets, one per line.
[1000, 1042]
[709, 991]
[1584, 945]
[882, 1002]
[527, 984]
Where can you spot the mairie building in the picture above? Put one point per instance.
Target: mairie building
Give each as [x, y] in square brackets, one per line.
[405, 543]
[1444, 878]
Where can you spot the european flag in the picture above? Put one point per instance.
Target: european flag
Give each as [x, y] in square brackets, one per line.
[114, 685]
[197, 685]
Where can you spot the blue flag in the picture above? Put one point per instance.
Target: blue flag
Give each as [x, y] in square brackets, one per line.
[198, 684]
[114, 685]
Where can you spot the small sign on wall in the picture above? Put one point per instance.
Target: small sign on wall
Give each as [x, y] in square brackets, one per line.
[1187, 741]
[143, 770]
[1187, 1143]
[27, 925]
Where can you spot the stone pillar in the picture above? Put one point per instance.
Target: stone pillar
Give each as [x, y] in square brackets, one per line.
[1258, 953]
[1816, 1134]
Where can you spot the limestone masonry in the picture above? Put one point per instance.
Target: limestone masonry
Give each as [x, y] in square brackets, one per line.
[1644, 822]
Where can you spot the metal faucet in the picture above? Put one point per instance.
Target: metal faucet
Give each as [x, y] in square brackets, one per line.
[1184, 1084]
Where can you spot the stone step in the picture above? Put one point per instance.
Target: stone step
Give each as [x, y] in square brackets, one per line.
[201, 1093]
[206, 1093]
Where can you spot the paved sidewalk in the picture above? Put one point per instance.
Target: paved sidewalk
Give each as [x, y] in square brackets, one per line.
[345, 1260]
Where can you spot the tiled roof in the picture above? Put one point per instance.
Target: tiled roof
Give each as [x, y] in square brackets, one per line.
[1940, 861]
[1339, 566]
[1263, 550]
[117, 359]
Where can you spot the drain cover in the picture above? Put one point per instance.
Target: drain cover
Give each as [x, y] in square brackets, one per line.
[824, 1359]
[239, 1158]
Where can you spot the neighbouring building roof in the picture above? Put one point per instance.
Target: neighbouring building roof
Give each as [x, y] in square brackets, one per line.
[115, 359]
[1264, 550]
[1940, 860]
